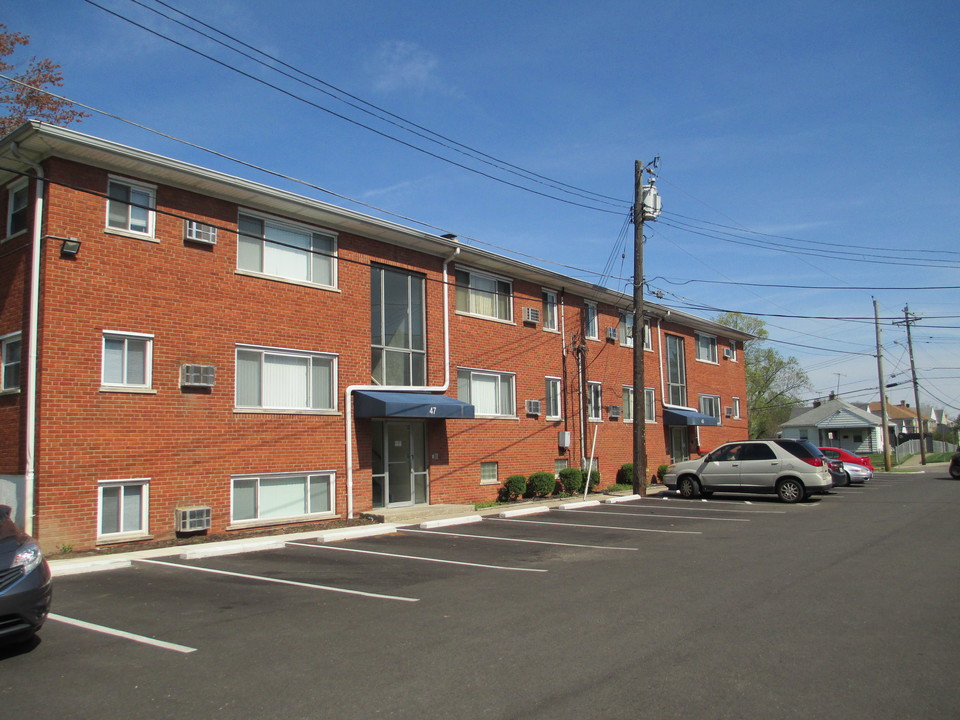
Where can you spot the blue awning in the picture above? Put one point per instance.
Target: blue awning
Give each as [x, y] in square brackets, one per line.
[678, 416]
[382, 403]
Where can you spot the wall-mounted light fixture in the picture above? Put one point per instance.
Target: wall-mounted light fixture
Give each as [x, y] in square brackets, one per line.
[69, 247]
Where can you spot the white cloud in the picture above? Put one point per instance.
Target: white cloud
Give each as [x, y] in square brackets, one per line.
[401, 66]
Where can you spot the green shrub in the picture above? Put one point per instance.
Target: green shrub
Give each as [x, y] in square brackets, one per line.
[541, 484]
[572, 480]
[515, 487]
[625, 474]
[662, 471]
[594, 480]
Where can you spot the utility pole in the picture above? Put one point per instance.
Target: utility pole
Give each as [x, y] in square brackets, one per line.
[908, 320]
[884, 415]
[646, 206]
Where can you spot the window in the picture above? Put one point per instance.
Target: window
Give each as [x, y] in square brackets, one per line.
[285, 250]
[127, 360]
[733, 350]
[553, 398]
[626, 329]
[130, 207]
[398, 348]
[489, 473]
[17, 202]
[710, 405]
[649, 405]
[590, 325]
[647, 336]
[549, 310]
[10, 368]
[491, 393]
[706, 348]
[282, 495]
[274, 379]
[595, 399]
[627, 403]
[123, 508]
[736, 408]
[484, 295]
[676, 372]
[558, 465]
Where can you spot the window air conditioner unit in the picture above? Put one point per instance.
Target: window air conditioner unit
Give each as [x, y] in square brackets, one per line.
[199, 232]
[533, 407]
[611, 333]
[197, 375]
[727, 353]
[192, 519]
[728, 412]
[531, 315]
[615, 411]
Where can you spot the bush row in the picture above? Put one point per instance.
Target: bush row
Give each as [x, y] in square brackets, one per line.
[543, 484]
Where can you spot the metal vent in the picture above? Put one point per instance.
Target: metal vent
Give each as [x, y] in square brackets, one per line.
[533, 407]
[197, 375]
[611, 333]
[615, 411]
[531, 315]
[199, 232]
[191, 519]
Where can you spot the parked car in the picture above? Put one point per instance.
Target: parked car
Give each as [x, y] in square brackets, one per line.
[25, 584]
[837, 473]
[955, 466]
[792, 469]
[854, 468]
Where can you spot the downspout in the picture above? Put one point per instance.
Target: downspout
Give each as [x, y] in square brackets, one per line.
[29, 479]
[348, 393]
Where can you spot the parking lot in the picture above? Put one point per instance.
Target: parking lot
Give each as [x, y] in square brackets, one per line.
[660, 607]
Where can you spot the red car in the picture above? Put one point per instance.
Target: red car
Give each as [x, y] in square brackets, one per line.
[847, 457]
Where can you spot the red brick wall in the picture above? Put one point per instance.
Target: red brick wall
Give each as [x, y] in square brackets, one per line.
[197, 307]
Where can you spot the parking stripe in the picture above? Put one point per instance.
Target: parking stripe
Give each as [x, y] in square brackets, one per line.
[658, 517]
[518, 540]
[121, 634]
[598, 527]
[415, 557]
[281, 582]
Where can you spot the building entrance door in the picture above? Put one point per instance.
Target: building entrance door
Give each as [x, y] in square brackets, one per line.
[679, 444]
[400, 476]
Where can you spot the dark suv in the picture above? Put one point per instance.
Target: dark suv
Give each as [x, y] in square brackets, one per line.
[793, 469]
[25, 585]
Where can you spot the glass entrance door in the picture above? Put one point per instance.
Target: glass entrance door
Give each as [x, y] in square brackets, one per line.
[679, 445]
[400, 474]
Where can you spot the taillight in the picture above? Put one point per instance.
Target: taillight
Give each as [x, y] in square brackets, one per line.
[815, 461]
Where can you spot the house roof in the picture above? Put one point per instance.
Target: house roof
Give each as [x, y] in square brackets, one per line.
[35, 141]
[899, 412]
[834, 414]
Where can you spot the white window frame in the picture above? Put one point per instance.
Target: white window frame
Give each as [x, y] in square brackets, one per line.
[465, 381]
[550, 303]
[628, 403]
[736, 408]
[553, 388]
[124, 533]
[150, 206]
[486, 478]
[6, 374]
[647, 336]
[733, 351]
[708, 354]
[309, 391]
[307, 476]
[594, 401]
[468, 295]
[13, 208]
[650, 406]
[626, 329]
[127, 337]
[591, 320]
[264, 263]
[711, 399]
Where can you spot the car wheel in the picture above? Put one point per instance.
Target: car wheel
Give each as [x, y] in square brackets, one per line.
[791, 490]
[846, 479]
[687, 487]
[955, 471]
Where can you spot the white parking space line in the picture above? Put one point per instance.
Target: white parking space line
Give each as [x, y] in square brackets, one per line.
[697, 508]
[519, 540]
[311, 586]
[121, 634]
[598, 527]
[415, 557]
[657, 517]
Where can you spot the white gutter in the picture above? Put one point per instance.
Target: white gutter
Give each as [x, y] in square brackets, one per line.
[348, 393]
[29, 479]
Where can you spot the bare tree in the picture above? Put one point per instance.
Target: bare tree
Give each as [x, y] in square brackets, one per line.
[27, 98]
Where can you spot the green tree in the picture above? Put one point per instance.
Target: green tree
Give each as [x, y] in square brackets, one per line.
[773, 381]
[18, 102]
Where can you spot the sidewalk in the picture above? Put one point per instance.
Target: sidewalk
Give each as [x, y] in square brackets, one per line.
[388, 521]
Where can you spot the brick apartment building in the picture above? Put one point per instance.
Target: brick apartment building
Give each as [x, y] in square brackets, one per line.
[218, 353]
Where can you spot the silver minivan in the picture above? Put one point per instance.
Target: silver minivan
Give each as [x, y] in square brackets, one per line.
[793, 469]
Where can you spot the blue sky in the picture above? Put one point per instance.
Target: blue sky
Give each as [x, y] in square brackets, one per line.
[827, 129]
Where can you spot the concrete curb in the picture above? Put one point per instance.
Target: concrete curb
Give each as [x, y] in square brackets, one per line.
[447, 522]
